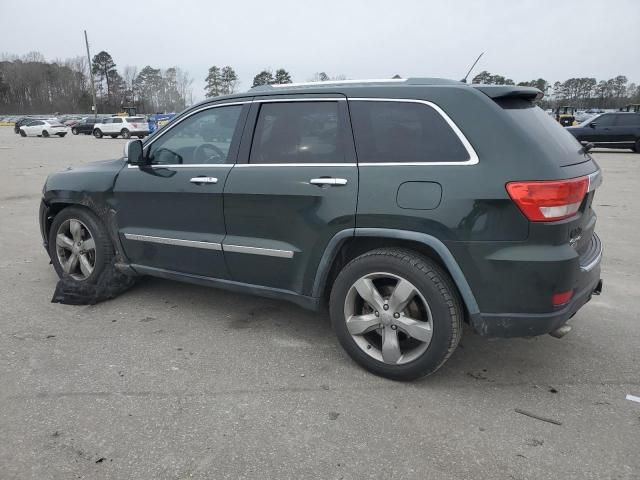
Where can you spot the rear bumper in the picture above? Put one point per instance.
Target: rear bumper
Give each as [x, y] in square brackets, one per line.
[530, 325]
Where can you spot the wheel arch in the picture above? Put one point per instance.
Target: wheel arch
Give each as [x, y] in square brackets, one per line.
[351, 243]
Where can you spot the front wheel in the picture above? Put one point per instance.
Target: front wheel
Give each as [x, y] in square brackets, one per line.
[22, 134]
[79, 245]
[97, 133]
[74, 131]
[45, 134]
[396, 313]
[125, 133]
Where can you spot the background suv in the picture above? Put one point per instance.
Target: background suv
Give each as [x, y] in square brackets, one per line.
[406, 206]
[122, 126]
[611, 130]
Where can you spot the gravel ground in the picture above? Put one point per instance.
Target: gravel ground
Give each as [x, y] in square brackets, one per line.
[174, 381]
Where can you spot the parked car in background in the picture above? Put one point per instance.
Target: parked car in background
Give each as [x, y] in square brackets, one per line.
[85, 125]
[22, 121]
[122, 126]
[610, 130]
[43, 128]
[395, 206]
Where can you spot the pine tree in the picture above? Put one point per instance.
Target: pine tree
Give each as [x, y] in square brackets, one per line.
[282, 76]
[228, 80]
[214, 83]
[265, 77]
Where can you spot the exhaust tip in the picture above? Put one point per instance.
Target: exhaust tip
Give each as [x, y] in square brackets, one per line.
[561, 331]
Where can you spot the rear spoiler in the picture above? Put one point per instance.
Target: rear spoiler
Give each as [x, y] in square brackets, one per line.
[510, 91]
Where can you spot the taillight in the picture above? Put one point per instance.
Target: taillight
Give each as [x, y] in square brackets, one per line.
[549, 201]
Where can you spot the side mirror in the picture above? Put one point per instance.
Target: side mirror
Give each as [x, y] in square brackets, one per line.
[593, 124]
[134, 153]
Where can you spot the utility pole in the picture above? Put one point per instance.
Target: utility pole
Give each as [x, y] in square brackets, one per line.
[93, 87]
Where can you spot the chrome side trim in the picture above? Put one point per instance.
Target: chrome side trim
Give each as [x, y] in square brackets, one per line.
[245, 165]
[173, 241]
[270, 252]
[185, 165]
[595, 180]
[473, 156]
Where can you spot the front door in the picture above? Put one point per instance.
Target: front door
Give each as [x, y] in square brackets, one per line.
[170, 213]
[600, 130]
[294, 187]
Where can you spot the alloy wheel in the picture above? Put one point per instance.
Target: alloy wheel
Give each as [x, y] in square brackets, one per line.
[388, 318]
[76, 249]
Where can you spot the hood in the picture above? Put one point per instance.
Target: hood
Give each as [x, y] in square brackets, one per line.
[92, 177]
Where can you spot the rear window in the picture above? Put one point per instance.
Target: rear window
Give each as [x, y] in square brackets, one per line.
[136, 119]
[544, 129]
[403, 132]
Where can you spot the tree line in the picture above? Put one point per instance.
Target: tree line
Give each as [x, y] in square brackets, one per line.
[30, 84]
[584, 92]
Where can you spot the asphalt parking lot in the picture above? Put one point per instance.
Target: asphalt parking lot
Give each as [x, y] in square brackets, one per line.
[175, 381]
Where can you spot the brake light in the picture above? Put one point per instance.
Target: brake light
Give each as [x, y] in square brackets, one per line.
[549, 201]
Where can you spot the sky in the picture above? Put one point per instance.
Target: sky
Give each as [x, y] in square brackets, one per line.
[522, 40]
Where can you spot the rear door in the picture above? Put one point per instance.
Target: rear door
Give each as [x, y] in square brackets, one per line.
[627, 127]
[170, 213]
[294, 187]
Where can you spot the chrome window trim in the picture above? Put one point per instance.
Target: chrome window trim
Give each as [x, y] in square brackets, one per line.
[473, 156]
[245, 165]
[270, 252]
[173, 241]
[340, 82]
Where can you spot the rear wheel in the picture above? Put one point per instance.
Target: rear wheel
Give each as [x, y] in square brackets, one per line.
[396, 313]
[125, 133]
[45, 134]
[74, 131]
[97, 133]
[79, 245]
[22, 134]
[636, 147]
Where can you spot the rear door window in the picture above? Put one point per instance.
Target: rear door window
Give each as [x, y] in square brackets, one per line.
[403, 132]
[630, 120]
[298, 132]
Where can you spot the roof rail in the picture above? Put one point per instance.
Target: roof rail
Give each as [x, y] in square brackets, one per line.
[407, 81]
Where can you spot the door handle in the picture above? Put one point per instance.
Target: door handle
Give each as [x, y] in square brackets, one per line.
[204, 180]
[337, 182]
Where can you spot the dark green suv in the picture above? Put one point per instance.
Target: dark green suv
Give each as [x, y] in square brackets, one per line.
[408, 206]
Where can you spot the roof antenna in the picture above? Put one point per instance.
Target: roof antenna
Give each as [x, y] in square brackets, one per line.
[464, 80]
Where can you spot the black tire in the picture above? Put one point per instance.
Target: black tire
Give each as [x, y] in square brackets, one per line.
[22, 134]
[125, 133]
[114, 136]
[636, 147]
[61, 135]
[97, 133]
[432, 282]
[140, 137]
[74, 131]
[104, 252]
[45, 134]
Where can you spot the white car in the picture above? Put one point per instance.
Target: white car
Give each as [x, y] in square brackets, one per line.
[43, 128]
[122, 126]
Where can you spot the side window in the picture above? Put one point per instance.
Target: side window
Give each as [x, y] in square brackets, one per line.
[116, 120]
[398, 132]
[630, 120]
[202, 138]
[297, 132]
[106, 121]
[604, 120]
